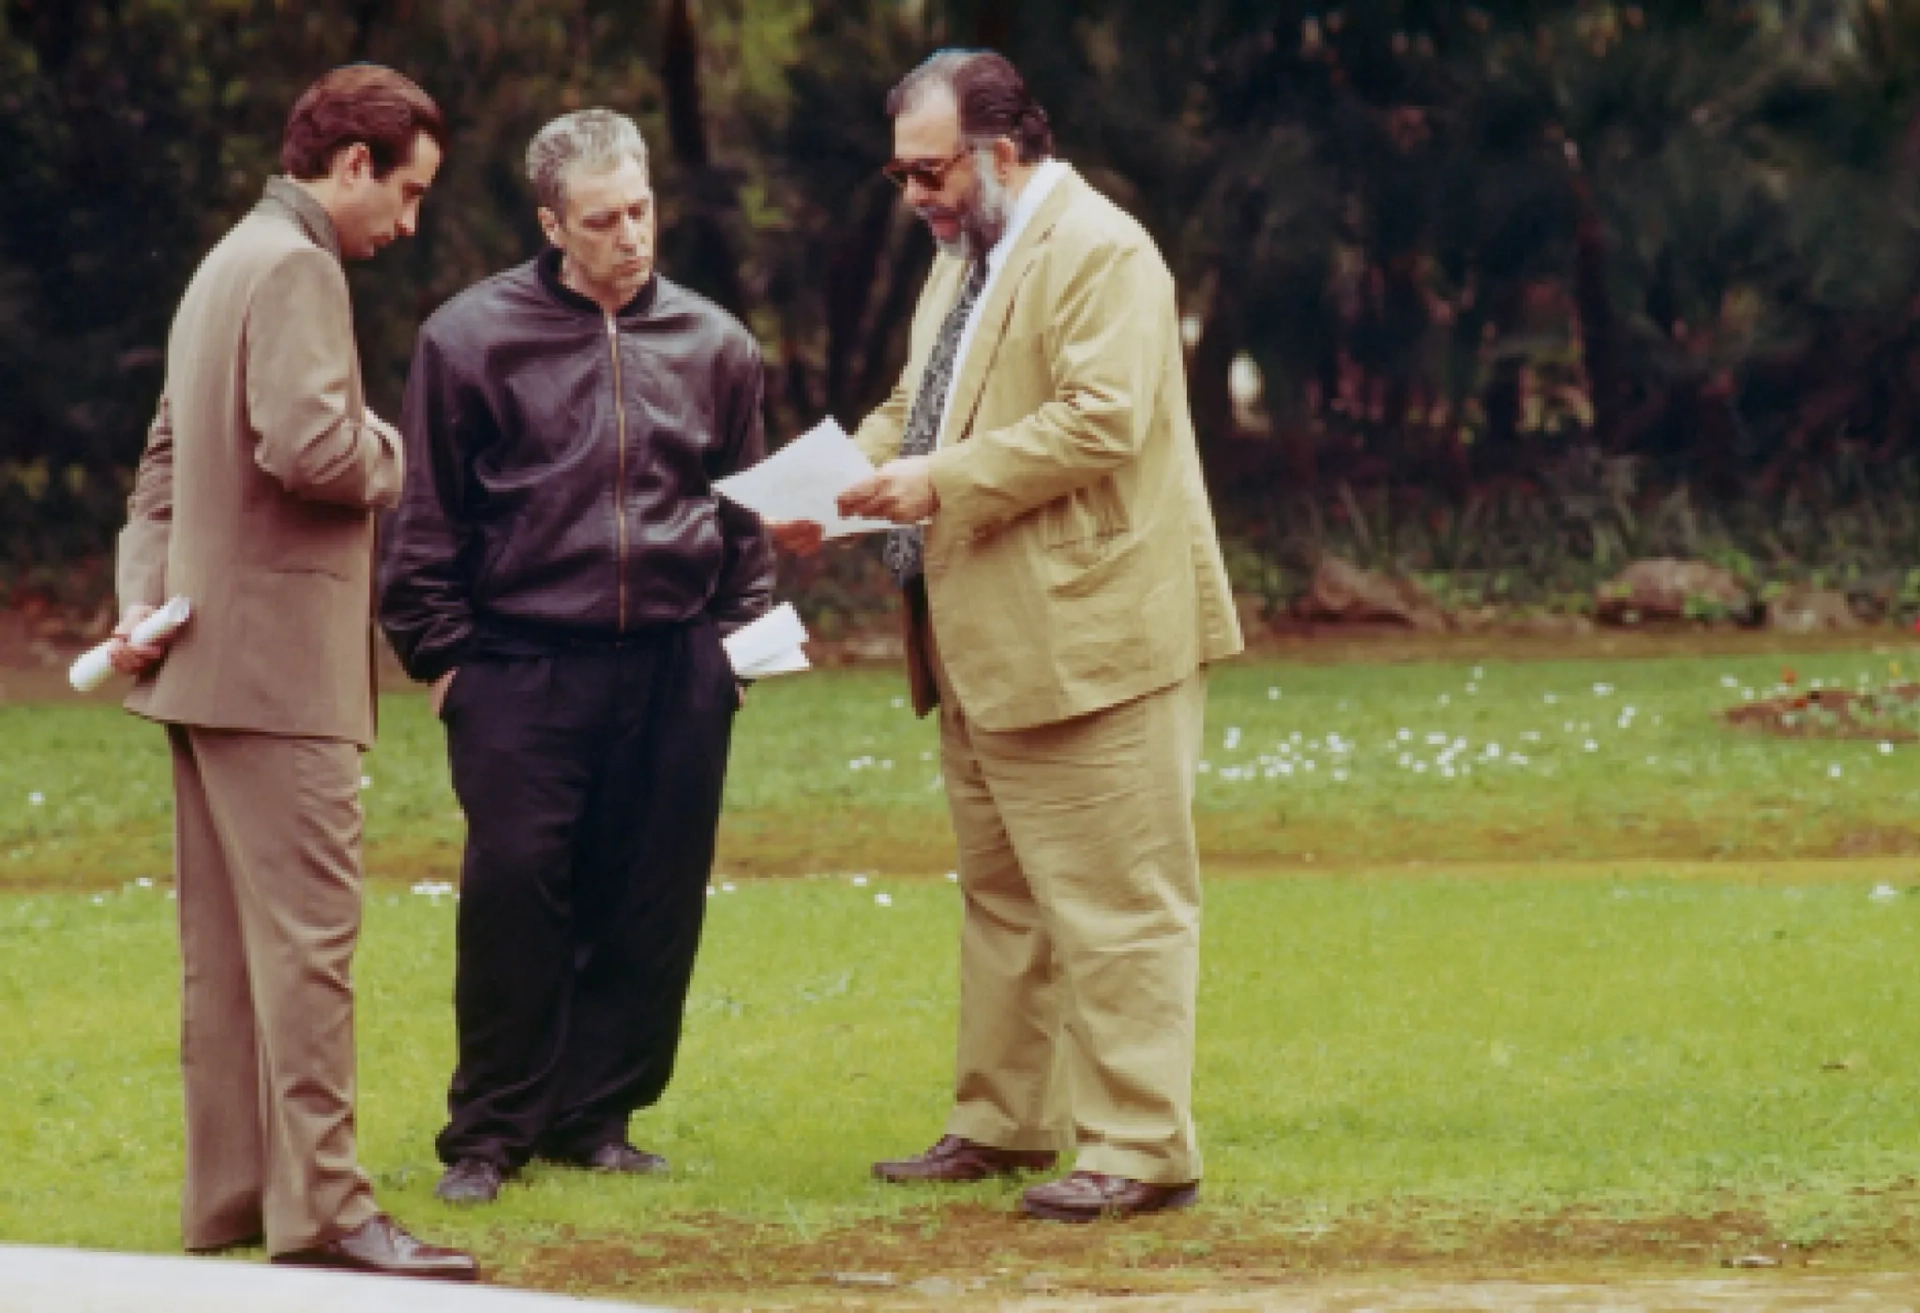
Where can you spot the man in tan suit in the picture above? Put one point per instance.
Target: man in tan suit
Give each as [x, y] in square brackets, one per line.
[1064, 594]
[255, 500]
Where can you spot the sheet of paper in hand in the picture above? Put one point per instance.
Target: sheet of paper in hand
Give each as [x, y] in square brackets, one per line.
[801, 480]
[769, 646]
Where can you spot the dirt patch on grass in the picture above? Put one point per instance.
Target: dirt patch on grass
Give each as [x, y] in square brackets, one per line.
[979, 1253]
[1835, 713]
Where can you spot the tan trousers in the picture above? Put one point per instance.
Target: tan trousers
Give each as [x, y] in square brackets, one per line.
[1080, 947]
[267, 860]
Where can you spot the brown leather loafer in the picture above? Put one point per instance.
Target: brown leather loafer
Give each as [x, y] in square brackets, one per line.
[955, 1160]
[383, 1247]
[1090, 1196]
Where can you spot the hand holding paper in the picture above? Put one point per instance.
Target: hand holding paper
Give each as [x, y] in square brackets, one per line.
[768, 646]
[93, 666]
[802, 480]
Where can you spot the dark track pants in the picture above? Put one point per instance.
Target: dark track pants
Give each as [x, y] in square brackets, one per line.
[591, 781]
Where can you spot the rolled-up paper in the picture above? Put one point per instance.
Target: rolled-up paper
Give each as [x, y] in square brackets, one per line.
[93, 666]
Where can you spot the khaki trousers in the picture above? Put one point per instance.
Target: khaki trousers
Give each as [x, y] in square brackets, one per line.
[267, 861]
[1080, 945]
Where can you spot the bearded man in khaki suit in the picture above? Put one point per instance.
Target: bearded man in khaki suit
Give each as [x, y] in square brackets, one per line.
[255, 500]
[1064, 595]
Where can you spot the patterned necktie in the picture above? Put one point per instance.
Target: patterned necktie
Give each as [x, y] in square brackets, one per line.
[903, 548]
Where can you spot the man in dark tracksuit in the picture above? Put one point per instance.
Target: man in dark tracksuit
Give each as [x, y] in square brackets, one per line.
[561, 571]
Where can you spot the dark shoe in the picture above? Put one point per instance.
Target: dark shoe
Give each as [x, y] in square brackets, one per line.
[624, 1159]
[470, 1181]
[955, 1159]
[254, 1241]
[381, 1246]
[1089, 1196]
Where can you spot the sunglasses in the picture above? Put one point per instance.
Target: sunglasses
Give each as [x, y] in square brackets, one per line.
[931, 174]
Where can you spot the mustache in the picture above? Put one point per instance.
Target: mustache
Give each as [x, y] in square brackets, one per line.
[928, 213]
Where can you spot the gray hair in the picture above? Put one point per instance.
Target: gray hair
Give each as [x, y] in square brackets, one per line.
[597, 139]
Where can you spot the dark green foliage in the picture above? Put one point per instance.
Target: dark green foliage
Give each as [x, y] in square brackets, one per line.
[1465, 248]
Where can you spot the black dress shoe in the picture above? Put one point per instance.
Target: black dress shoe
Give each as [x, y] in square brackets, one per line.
[382, 1247]
[470, 1181]
[1090, 1196]
[254, 1241]
[955, 1160]
[624, 1159]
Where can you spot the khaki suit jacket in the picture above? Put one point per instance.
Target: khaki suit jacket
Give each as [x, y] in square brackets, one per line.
[1072, 564]
[255, 494]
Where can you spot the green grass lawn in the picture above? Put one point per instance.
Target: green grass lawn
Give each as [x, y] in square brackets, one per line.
[1477, 1060]
[1329, 765]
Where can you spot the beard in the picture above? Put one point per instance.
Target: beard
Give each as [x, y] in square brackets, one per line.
[982, 214]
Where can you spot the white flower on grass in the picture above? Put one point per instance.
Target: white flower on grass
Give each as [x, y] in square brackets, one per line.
[1653, 761]
[1273, 695]
[1550, 699]
[1884, 893]
[1406, 759]
[886, 764]
[953, 877]
[99, 899]
[1446, 771]
[1530, 736]
[1493, 752]
[1746, 694]
[1419, 768]
[1404, 735]
[1591, 746]
[1206, 768]
[899, 703]
[1728, 681]
[366, 781]
[1477, 672]
[36, 799]
[859, 880]
[1473, 688]
[1516, 760]
[1885, 748]
[883, 900]
[1445, 699]
[728, 887]
[1340, 776]
[711, 891]
[1436, 740]
[1833, 771]
[1603, 690]
[144, 883]
[433, 890]
[1233, 737]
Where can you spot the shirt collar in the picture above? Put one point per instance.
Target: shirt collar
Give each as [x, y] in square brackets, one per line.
[1044, 180]
[287, 198]
[547, 266]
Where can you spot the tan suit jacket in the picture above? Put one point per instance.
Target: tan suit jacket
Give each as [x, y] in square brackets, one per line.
[255, 494]
[1072, 564]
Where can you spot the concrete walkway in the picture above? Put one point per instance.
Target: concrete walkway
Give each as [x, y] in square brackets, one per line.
[81, 1281]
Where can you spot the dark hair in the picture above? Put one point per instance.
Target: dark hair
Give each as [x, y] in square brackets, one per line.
[365, 103]
[992, 98]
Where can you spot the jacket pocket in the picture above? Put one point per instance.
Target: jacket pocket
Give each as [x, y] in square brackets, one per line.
[1092, 514]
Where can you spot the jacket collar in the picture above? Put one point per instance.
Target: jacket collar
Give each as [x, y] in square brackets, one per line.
[965, 397]
[547, 265]
[290, 201]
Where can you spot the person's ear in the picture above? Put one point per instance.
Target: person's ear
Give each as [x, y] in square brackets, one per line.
[550, 225]
[1006, 157]
[354, 163]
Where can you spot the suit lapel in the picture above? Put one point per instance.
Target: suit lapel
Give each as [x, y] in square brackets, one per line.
[994, 314]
